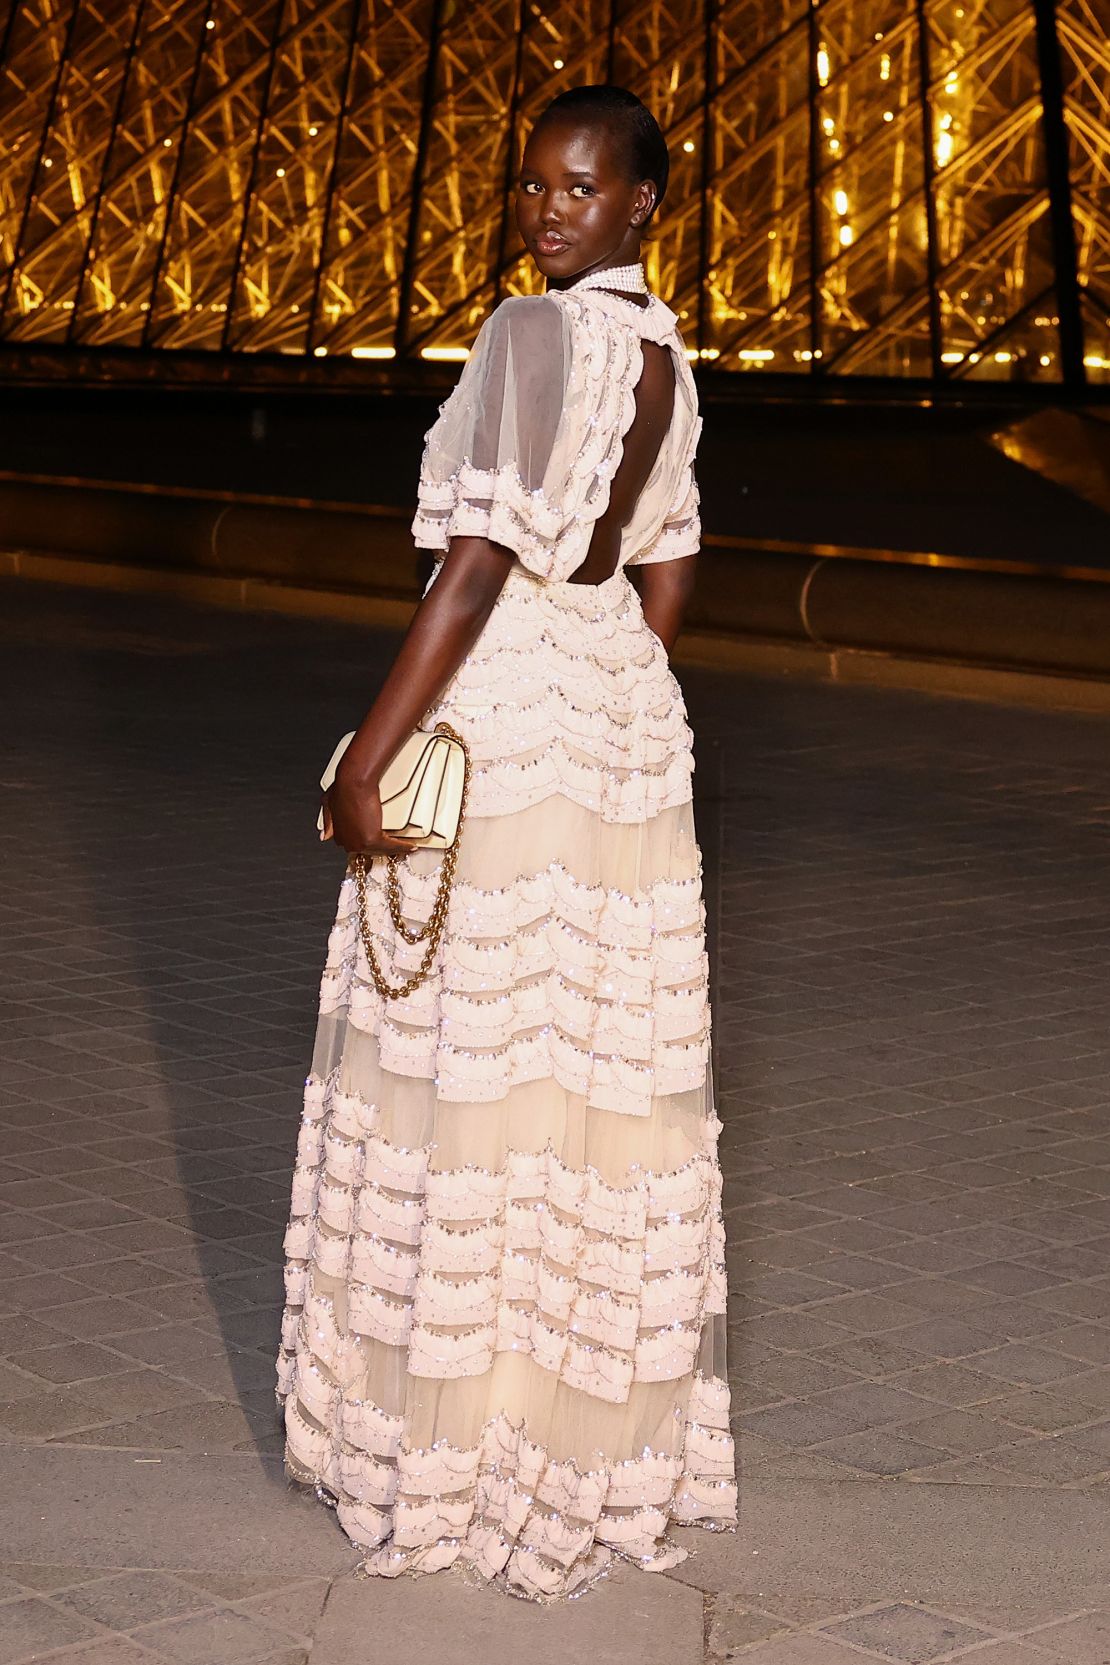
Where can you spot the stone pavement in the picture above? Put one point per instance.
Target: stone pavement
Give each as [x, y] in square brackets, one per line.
[912, 978]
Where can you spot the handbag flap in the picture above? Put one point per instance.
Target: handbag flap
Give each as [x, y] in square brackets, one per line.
[399, 774]
[410, 808]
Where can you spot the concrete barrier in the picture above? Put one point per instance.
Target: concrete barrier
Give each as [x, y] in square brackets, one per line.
[868, 601]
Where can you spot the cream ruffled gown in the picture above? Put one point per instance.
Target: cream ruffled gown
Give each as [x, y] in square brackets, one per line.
[504, 1338]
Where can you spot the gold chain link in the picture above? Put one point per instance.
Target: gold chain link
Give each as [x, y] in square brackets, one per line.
[429, 933]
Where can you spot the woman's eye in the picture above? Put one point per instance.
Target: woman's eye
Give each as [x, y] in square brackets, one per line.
[529, 187]
[588, 189]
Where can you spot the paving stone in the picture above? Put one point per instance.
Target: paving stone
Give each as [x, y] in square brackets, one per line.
[909, 1634]
[1081, 1641]
[945, 1338]
[110, 1650]
[31, 1628]
[796, 1424]
[803, 1650]
[131, 1599]
[1057, 1458]
[965, 1431]
[627, 1620]
[1045, 1411]
[952, 1384]
[294, 1608]
[95, 1319]
[733, 1626]
[225, 1637]
[872, 1404]
[880, 1451]
[1031, 1366]
[59, 1411]
[45, 1578]
[915, 1087]
[72, 1362]
[210, 1425]
[170, 1345]
[1090, 1342]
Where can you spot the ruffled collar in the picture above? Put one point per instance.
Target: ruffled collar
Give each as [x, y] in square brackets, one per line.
[654, 322]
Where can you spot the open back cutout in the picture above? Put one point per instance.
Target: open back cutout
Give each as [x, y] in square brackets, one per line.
[655, 392]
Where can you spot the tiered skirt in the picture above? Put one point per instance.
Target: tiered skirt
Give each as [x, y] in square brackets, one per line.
[503, 1345]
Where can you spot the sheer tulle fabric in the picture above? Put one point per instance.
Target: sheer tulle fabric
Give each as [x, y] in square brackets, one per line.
[525, 450]
[503, 1344]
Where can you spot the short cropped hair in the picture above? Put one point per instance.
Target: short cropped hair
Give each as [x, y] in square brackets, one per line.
[643, 147]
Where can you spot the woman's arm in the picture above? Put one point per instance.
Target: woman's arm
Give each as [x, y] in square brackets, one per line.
[665, 590]
[444, 628]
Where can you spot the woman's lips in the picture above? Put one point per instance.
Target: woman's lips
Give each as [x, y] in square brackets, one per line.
[550, 243]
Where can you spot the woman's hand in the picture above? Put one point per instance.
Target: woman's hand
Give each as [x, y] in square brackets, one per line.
[353, 818]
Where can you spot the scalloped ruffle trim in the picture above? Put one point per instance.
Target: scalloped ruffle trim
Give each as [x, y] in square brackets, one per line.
[505, 1509]
[600, 1285]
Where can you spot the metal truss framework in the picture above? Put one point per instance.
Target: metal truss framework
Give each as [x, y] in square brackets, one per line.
[892, 188]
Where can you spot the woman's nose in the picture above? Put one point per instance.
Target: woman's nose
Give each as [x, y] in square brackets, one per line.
[551, 213]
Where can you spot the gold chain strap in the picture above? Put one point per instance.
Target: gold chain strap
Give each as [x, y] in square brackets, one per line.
[429, 933]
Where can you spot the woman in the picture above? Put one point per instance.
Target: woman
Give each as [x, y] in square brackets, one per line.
[504, 1339]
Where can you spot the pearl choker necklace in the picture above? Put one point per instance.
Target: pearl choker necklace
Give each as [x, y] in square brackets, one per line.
[630, 279]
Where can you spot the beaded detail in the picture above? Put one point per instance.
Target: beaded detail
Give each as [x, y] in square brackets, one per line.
[492, 469]
[536, 1265]
[629, 280]
[503, 1341]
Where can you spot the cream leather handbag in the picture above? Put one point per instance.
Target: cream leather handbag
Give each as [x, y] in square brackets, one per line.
[423, 791]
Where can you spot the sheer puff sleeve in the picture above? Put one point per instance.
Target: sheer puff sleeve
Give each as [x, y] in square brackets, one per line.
[488, 458]
[525, 448]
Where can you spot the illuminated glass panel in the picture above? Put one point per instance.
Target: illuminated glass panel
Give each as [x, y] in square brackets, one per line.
[859, 188]
[459, 208]
[873, 224]
[138, 175]
[1083, 27]
[758, 291]
[197, 265]
[659, 52]
[370, 207]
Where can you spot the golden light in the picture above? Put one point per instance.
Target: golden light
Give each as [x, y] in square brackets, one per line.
[378, 247]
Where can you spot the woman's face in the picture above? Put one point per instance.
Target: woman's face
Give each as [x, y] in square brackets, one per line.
[576, 208]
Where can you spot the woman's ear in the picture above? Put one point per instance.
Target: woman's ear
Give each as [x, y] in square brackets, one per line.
[645, 202]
